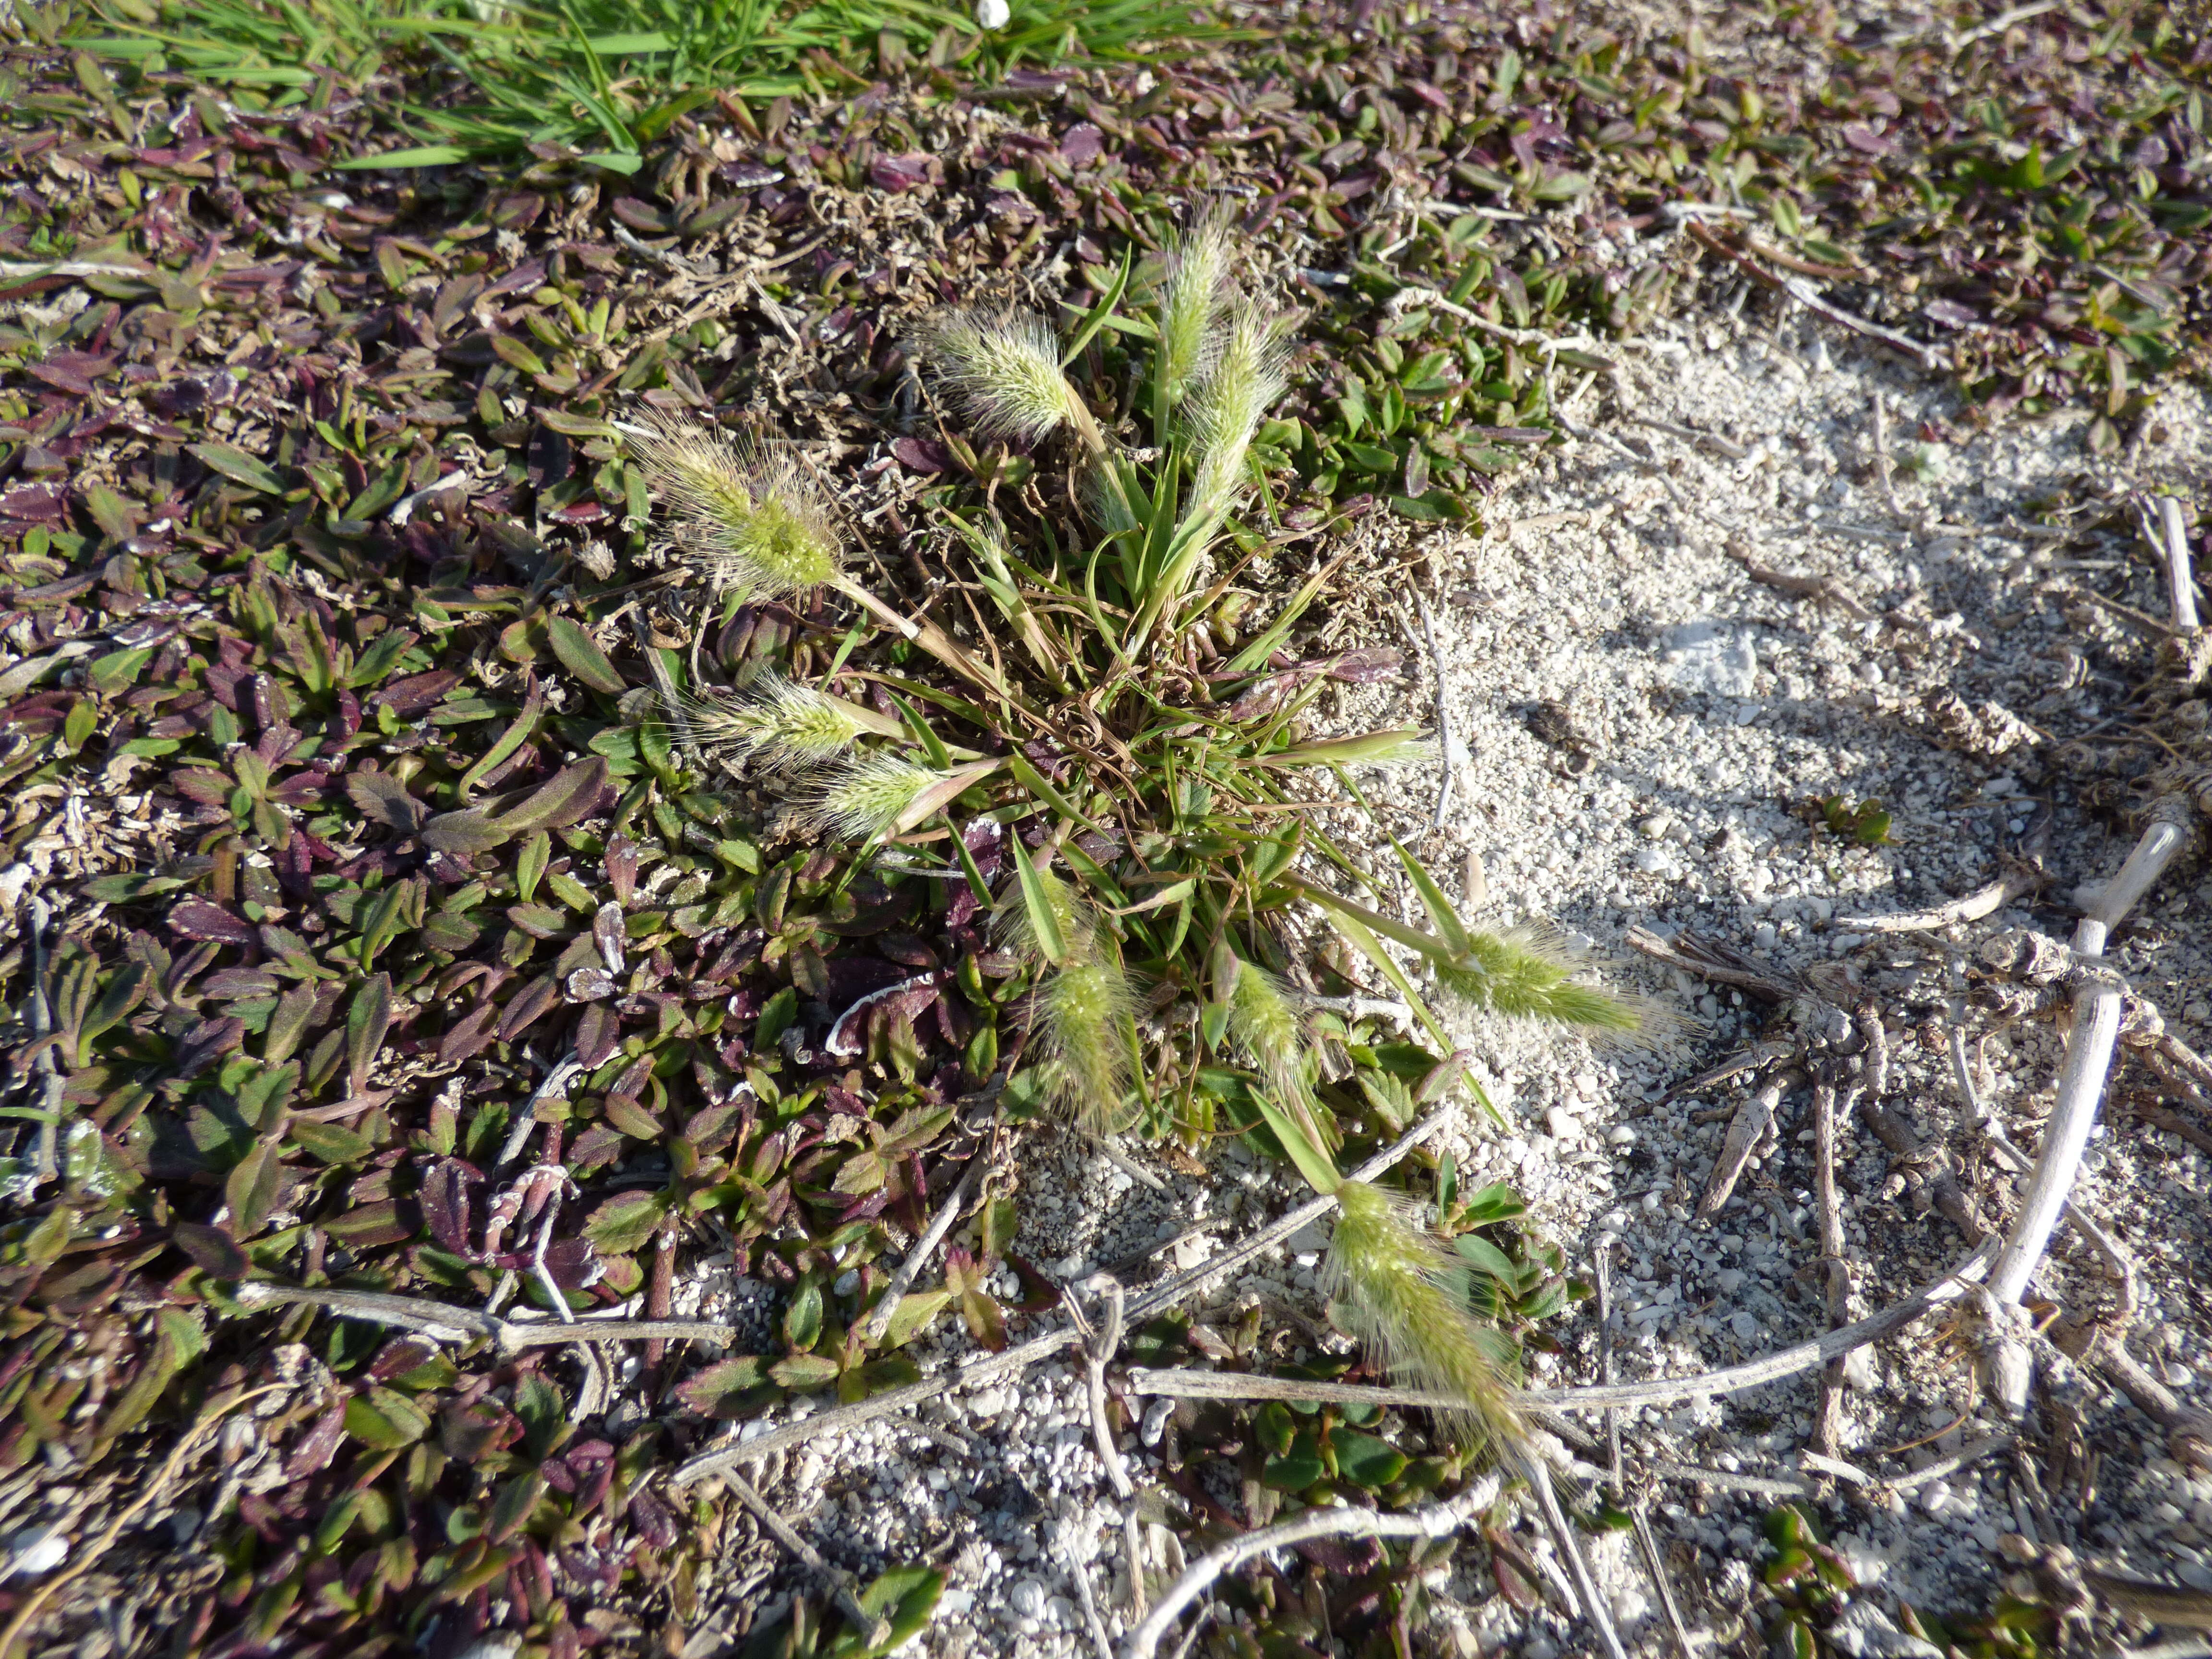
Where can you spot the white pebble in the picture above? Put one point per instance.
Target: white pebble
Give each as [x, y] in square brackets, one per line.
[36, 1550]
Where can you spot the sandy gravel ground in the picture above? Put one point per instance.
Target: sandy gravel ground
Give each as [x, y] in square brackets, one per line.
[1639, 726]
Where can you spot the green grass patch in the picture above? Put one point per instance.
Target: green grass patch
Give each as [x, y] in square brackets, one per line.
[601, 78]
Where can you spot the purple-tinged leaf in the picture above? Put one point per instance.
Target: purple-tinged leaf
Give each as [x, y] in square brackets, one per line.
[446, 1202]
[599, 1032]
[526, 1005]
[895, 174]
[207, 1042]
[568, 797]
[924, 455]
[198, 919]
[621, 864]
[463, 833]
[401, 1355]
[726, 1389]
[366, 1021]
[213, 1251]
[384, 799]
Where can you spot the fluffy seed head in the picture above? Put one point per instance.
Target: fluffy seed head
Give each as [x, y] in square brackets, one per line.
[757, 525]
[1394, 1289]
[776, 720]
[1006, 371]
[1084, 1008]
[1194, 288]
[866, 797]
[1083, 1013]
[1268, 1028]
[1529, 973]
[1245, 382]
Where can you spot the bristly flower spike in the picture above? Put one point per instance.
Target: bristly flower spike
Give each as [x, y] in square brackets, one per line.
[867, 797]
[756, 524]
[1268, 1029]
[1245, 382]
[1530, 973]
[1394, 1289]
[1006, 371]
[778, 722]
[1192, 300]
[1084, 1008]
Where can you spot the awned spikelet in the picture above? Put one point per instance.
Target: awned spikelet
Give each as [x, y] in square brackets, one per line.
[782, 724]
[1083, 1011]
[754, 523]
[1245, 382]
[1085, 1007]
[1266, 1027]
[1196, 284]
[1394, 1289]
[1530, 973]
[1006, 371]
[868, 796]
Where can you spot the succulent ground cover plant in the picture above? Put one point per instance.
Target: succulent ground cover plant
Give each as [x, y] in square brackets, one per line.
[1105, 779]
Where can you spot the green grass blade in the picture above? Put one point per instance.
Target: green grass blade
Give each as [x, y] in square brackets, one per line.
[1044, 926]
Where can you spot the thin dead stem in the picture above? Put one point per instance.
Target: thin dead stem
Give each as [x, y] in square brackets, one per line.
[1662, 1391]
[442, 1322]
[987, 1367]
[1438, 1521]
[1828, 1415]
[878, 1630]
[2097, 1006]
[879, 1318]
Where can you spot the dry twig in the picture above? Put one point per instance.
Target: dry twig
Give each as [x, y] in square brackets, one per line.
[1751, 1121]
[986, 1367]
[1710, 959]
[1437, 1520]
[1656, 1567]
[878, 1631]
[1662, 1391]
[2173, 549]
[1828, 1415]
[2097, 1001]
[879, 1318]
[443, 1322]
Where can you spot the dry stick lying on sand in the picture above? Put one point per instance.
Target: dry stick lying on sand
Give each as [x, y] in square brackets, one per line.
[2023, 876]
[2180, 582]
[1828, 1415]
[879, 1321]
[983, 1368]
[1438, 1521]
[1972, 908]
[1660, 1391]
[442, 1321]
[2097, 1000]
